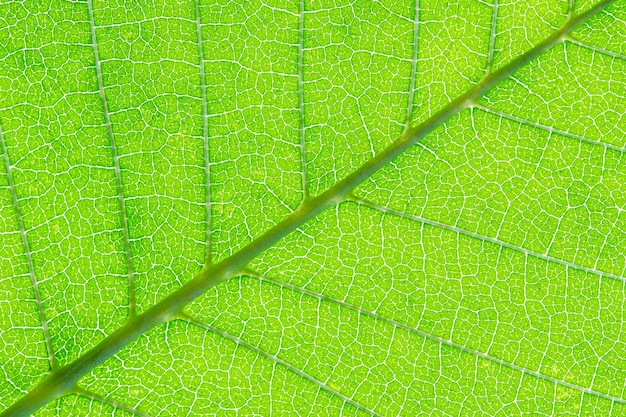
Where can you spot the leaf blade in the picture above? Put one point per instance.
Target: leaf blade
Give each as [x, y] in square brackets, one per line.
[351, 181]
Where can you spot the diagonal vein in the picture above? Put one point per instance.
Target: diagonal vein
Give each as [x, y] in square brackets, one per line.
[595, 48]
[105, 400]
[31, 270]
[276, 359]
[63, 379]
[432, 337]
[484, 238]
[548, 128]
[116, 166]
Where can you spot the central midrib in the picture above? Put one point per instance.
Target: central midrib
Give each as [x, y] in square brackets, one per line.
[63, 379]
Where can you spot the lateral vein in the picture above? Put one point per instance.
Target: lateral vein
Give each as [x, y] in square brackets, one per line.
[29, 261]
[116, 165]
[105, 400]
[205, 136]
[488, 239]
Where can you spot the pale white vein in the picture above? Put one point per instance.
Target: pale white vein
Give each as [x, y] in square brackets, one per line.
[205, 135]
[548, 128]
[301, 131]
[492, 35]
[595, 48]
[484, 238]
[113, 403]
[411, 99]
[27, 253]
[116, 165]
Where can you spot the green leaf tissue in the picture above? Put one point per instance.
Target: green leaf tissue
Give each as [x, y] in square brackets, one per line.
[312, 208]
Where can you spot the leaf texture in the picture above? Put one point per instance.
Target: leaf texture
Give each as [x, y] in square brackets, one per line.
[329, 207]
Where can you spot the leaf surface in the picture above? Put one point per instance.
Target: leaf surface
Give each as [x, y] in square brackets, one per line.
[404, 207]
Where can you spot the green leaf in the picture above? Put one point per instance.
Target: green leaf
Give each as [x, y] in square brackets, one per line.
[312, 208]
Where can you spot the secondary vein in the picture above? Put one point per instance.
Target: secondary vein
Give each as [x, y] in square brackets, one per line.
[547, 128]
[411, 98]
[488, 239]
[301, 132]
[492, 35]
[276, 359]
[29, 261]
[104, 400]
[116, 167]
[205, 135]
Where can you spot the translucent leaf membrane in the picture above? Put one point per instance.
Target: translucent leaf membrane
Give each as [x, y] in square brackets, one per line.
[480, 273]
[150, 77]
[252, 77]
[59, 156]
